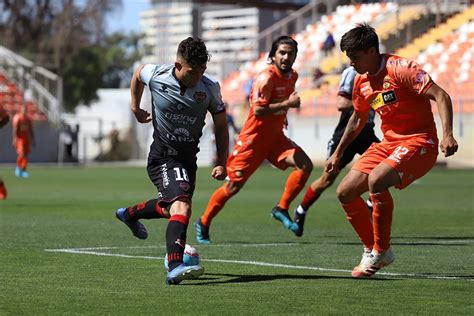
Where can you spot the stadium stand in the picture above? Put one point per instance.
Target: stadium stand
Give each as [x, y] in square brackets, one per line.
[309, 54]
[21, 78]
[23, 81]
[12, 98]
[446, 52]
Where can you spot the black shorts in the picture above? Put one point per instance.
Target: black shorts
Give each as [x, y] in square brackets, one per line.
[358, 146]
[173, 179]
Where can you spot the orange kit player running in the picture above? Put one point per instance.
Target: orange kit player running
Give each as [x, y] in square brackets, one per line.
[262, 138]
[400, 92]
[23, 138]
[4, 119]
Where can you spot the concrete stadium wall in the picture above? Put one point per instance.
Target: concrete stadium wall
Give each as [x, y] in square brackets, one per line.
[313, 133]
[46, 149]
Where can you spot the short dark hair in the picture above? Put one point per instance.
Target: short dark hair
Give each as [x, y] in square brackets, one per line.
[194, 51]
[284, 39]
[361, 37]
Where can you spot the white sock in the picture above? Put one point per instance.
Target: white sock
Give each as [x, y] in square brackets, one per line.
[300, 210]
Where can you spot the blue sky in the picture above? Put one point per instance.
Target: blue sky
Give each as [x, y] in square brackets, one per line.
[127, 19]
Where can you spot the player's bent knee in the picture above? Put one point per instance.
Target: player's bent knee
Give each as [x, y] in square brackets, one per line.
[344, 195]
[380, 183]
[181, 206]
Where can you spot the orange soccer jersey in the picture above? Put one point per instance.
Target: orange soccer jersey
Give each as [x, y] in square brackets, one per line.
[262, 137]
[269, 87]
[396, 94]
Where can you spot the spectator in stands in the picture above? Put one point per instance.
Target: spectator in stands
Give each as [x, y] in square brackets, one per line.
[23, 140]
[262, 138]
[317, 75]
[400, 91]
[4, 119]
[358, 146]
[328, 44]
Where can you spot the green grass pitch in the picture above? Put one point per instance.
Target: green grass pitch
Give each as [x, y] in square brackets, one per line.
[63, 252]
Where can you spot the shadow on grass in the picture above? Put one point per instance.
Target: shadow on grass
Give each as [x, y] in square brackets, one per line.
[250, 243]
[224, 278]
[436, 237]
[424, 241]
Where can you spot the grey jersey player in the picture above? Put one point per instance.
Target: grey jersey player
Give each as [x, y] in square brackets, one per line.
[181, 96]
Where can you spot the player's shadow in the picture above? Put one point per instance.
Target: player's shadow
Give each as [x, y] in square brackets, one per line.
[221, 278]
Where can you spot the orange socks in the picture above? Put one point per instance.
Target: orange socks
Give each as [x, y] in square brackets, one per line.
[358, 215]
[294, 184]
[216, 203]
[3, 191]
[382, 216]
[22, 162]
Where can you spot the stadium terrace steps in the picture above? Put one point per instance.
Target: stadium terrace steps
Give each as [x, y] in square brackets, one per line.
[437, 33]
[384, 29]
[309, 46]
[11, 99]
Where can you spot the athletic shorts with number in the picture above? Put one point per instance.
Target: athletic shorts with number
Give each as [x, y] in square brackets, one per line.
[357, 146]
[412, 158]
[173, 179]
[246, 158]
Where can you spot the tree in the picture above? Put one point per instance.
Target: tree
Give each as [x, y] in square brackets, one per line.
[82, 77]
[121, 52]
[57, 35]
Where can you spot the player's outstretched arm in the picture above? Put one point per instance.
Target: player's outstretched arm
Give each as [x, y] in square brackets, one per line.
[448, 144]
[136, 89]
[222, 145]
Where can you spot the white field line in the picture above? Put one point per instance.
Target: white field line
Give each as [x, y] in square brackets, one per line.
[416, 242]
[89, 251]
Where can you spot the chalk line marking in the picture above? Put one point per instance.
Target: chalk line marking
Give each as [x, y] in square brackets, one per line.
[93, 251]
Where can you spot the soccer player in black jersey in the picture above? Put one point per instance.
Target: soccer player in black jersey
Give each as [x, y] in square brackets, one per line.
[181, 96]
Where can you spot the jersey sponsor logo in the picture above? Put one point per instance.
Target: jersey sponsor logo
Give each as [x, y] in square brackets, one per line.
[164, 173]
[181, 135]
[200, 96]
[382, 99]
[181, 118]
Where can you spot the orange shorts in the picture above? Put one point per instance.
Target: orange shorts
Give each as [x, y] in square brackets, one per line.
[22, 147]
[411, 158]
[246, 158]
